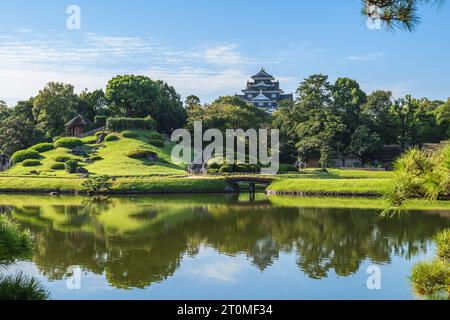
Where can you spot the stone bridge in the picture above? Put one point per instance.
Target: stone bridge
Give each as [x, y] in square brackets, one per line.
[251, 180]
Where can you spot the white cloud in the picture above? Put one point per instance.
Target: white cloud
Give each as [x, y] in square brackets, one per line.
[375, 56]
[88, 60]
[224, 272]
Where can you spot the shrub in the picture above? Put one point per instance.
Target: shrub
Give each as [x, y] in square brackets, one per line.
[215, 165]
[120, 124]
[100, 121]
[23, 155]
[71, 166]
[68, 143]
[31, 163]
[130, 134]
[21, 288]
[91, 141]
[443, 245]
[58, 166]
[95, 158]
[43, 147]
[141, 154]
[98, 184]
[228, 168]
[430, 278]
[62, 159]
[213, 171]
[154, 135]
[157, 143]
[15, 244]
[286, 168]
[111, 138]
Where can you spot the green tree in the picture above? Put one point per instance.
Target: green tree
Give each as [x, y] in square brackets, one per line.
[140, 96]
[365, 144]
[92, 104]
[348, 100]
[443, 118]
[4, 111]
[53, 107]
[376, 114]
[192, 101]
[132, 96]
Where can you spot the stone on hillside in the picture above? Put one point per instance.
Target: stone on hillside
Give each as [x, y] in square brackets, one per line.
[82, 170]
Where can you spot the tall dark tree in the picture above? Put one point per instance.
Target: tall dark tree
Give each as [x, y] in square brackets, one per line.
[192, 101]
[376, 113]
[91, 104]
[53, 107]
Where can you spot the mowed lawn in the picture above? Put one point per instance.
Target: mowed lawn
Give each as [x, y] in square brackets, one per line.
[114, 160]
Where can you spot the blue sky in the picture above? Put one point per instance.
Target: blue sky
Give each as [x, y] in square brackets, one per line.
[211, 47]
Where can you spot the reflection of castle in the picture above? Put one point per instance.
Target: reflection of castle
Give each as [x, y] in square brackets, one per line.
[264, 92]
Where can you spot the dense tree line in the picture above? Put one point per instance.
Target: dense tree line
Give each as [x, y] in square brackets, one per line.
[341, 118]
[43, 117]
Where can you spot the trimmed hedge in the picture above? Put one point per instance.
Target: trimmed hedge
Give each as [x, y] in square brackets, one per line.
[130, 134]
[95, 158]
[157, 143]
[100, 121]
[43, 147]
[120, 124]
[287, 168]
[111, 137]
[69, 143]
[71, 166]
[58, 166]
[31, 163]
[23, 155]
[62, 159]
[141, 154]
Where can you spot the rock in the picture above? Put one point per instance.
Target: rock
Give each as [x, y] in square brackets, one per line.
[84, 176]
[82, 170]
[101, 138]
[79, 152]
[34, 172]
[54, 194]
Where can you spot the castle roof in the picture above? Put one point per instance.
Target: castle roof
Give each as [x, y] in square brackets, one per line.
[263, 75]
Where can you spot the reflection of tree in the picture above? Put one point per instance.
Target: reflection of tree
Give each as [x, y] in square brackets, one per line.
[325, 240]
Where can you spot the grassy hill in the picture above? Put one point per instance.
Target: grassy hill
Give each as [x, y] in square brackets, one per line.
[111, 158]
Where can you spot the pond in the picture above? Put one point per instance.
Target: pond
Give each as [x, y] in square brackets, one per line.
[221, 246]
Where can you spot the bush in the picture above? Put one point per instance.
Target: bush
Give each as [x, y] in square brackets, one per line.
[98, 184]
[95, 158]
[23, 155]
[286, 168]
[15, 244]
[68, 143]
[430, 278]
[100, 121]
[228, 168]
[215, 165]
[111, 138]
[141, 154]
[62, 159]
[43, 147]
[157, 143]
[58, 166]
[31, 163]
[99, 133]
[21, 288]
[443, 245]
[213, 171]
[71, 166]
[130, 134]
[120, 124]
[154, 135]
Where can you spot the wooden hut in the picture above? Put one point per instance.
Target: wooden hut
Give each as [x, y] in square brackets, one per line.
[76, 126]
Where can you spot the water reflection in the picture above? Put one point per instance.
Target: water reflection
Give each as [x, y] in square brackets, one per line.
[139, 241]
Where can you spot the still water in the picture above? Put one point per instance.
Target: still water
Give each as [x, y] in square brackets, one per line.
[220, 246]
